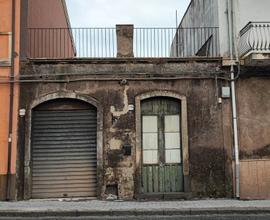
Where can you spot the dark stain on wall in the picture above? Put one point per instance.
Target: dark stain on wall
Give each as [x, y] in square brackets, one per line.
[114, 158]
[207, 172]
[261, 153]
[253, 94]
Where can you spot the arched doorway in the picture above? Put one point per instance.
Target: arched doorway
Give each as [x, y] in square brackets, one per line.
[64, 149]
[164, 172]
[162, 167]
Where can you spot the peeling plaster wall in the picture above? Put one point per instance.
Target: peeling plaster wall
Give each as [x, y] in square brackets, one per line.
[254, 135]
[254, 117]
[205, 118]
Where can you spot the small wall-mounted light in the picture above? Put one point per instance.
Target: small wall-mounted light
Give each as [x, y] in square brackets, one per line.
[219, 100]
[131, 107]
[22, 112]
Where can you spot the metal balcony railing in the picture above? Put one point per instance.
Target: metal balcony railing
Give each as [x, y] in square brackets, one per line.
[254, 38]
[196, 41]
[102, 42]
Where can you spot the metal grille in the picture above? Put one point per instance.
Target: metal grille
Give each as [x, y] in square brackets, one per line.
[56, 43]
[64, 153]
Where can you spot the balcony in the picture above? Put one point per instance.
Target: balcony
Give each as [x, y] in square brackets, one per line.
[254, 45]
[61, 43]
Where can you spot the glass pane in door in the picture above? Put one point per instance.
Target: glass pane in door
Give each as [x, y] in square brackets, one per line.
[172, 139]
[150, 139]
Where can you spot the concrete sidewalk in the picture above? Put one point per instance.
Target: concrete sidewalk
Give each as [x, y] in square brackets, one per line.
[127, 208]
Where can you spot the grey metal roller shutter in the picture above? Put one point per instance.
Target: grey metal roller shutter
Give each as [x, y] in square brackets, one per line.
[64, 153]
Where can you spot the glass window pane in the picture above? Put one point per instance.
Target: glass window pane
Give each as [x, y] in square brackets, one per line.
[150, 141]
[172, 140]
[4, 47]
[173, 156]
[150, 124]
[172, 123]
[150, 156]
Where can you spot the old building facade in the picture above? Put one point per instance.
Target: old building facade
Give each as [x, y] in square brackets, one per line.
[175, 102]
[16, 18]
[134, 123]
[9, 99]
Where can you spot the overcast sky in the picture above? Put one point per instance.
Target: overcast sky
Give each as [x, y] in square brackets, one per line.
[141, 13]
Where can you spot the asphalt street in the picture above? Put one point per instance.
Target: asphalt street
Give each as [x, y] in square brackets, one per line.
[199, 217]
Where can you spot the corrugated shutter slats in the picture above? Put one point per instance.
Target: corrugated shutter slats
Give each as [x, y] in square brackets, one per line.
[64, 153]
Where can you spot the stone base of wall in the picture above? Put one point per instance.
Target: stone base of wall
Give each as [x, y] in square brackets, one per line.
[3, 180]
[3, 187]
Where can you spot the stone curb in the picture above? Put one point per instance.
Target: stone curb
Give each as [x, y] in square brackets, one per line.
[136, 212]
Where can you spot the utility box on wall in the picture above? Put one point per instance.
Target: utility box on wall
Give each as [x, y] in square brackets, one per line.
[226, 92]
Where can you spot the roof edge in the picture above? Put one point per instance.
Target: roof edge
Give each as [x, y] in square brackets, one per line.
[191, 1]
[66, 13]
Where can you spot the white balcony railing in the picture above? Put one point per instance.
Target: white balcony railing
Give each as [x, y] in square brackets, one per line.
[254, 38]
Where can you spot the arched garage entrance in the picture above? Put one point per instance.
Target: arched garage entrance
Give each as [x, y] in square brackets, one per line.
[64, 149]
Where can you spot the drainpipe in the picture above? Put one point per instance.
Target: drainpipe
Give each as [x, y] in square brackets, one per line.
[11, 99]
[234, 109]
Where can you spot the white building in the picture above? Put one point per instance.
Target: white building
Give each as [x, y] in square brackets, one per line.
[247, 21]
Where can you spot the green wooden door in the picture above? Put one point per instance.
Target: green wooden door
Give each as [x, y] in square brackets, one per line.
[162, 170]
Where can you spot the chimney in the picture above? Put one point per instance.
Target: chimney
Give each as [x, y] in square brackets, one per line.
[124, 40]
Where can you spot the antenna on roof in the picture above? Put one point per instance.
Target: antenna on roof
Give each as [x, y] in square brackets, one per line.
[176, 18]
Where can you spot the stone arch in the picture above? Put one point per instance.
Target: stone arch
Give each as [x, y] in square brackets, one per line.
[28, 123]
[66, 95]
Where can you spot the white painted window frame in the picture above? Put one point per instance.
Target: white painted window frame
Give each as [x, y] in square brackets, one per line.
[7, 61]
